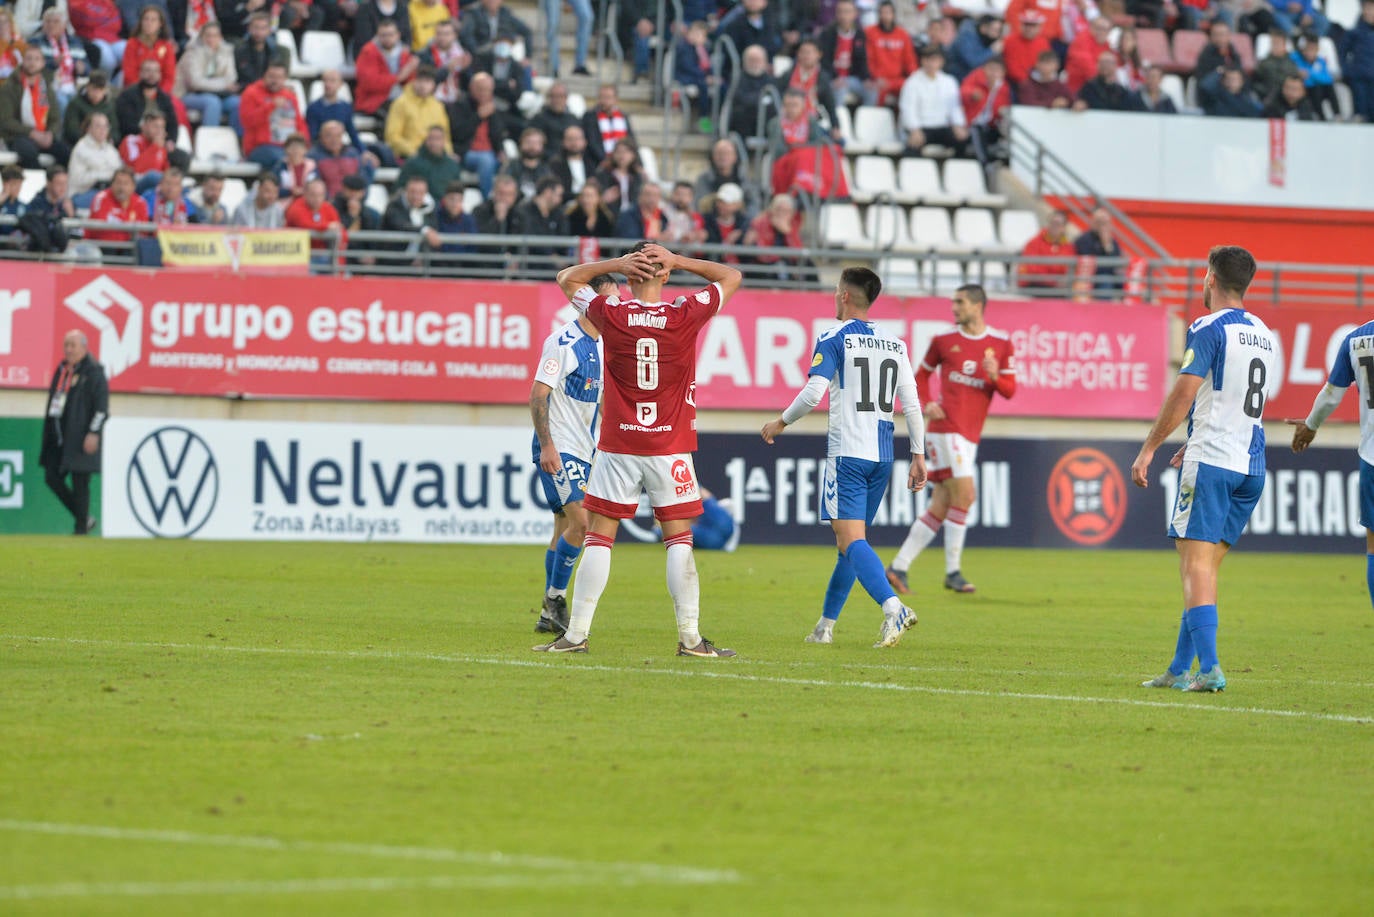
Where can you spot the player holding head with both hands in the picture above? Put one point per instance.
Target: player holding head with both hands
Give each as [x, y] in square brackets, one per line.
[648, 431]
[866, 372]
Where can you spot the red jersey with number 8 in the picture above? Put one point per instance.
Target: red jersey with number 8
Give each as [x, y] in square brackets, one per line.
[650, 377]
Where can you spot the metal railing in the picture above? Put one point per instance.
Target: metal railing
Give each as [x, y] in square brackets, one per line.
[905, 270]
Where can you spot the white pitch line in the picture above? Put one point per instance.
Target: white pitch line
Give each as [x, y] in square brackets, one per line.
[578, 665]
[277, 886]
[620, 873]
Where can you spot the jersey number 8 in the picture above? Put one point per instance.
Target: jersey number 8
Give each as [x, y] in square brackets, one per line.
[646, 363]
[1254, 393]
[887, 385]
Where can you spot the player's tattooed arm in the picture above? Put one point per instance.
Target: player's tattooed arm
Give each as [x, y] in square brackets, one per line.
[549, 459]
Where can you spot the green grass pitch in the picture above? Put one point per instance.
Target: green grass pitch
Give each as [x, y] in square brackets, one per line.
[202, 728]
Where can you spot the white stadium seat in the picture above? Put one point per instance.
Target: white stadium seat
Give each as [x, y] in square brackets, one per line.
[974, 228]
[1017, 227]
[852, 145]
[35, 180]
[920, 178]
[840, 226]
[217, 150]
[886, 226]
[1172, 86]
[376, 197]
[875, 177]
[901, 276]
[931, 230]
[875, 126]
[325, 51]
[965, 179]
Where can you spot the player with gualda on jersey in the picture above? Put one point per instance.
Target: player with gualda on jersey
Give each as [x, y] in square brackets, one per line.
[649, 428]
[565, 402]
[866, 372]
[1354, 365]
[1230, 367]
[974, 362]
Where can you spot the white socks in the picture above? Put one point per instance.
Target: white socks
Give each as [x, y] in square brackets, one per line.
[922, 532]
[684, 586]
[592, 574]
[956, 525]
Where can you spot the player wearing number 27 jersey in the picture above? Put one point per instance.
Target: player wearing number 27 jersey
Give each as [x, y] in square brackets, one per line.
[1230, 366]
[1354, 366]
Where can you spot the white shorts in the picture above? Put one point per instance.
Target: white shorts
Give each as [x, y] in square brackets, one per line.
[617, 479]
[949, 455]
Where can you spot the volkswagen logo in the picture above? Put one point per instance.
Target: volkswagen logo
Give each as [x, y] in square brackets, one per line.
[173, 483]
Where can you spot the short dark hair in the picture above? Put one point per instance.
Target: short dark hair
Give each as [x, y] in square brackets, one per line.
[12, 173]
[974, 292]
[864, 281]
[270, 178]
[1233, 267]
[124, 170]
[600, 280]
[1044, 56]
[54, 171]
[417, 177]
[933, 51]
[454, 187]
[545, 184]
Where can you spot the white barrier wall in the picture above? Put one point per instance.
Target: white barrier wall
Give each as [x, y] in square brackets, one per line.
[1193, 159]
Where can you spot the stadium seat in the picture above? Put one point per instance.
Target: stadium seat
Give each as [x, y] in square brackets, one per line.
[974, 228]
[1153, 45]
[235, 190]
[841, 226]
[386, 176]
[1345, 102]
[7, 158]
[931, 230]
[852, 145]
[1172, 86]
[325, 50]
[964, 178]
[1186, 48]
[781, 64]
[1262, 45]
[1326, 50]
[1343, 13]
[1245, 49]
[295, 67]
[920, 177]
[1016, 228]
[217, 150]
[901, 276]
[875, 178]
[472, 199]
[183, 139]
[316, 91]
[298, 88]
[35, 180]
[876, 127]
[577, 104]
[377, 197]
[649, 159]
[886, 228]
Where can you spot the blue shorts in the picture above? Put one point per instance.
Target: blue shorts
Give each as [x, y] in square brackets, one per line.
[569, 485]
[1213, 504]
[853, 488]
[1366, 494]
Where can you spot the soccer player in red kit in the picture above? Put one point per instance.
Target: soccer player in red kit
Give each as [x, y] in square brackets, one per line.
[974, 362]
[648, 427]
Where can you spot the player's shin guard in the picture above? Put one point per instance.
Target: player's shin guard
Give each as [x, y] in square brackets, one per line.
[591, 582]
[684, 586]
[548, 567]
[922, 533]
[869, 571]
[956, 526]
[1369, 575]
[1202, 627]
[841, 581]
[1183, 652]
[565, 558]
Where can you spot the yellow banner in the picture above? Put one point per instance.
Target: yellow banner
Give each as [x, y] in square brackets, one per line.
[236, 249]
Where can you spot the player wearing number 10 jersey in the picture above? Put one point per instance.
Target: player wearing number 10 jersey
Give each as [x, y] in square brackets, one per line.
[866, 373]
[648, 427]
[1230, 366]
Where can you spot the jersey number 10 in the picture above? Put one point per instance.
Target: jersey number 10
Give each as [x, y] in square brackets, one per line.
[887, 385]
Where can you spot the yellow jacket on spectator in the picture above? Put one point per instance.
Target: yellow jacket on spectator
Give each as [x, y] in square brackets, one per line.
[410, 118]
[424, 17]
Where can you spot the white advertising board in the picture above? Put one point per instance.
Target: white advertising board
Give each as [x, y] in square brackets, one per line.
[242, 480]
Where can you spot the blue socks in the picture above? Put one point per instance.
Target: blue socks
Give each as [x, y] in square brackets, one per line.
[841, 581]
[1369, 575]
[548, 569]
[1202, 627]
[1183, 653]
[564, 558]
[869, 570]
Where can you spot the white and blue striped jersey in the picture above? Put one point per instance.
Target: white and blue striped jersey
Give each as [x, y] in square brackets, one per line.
[1355, 365]
[570, 364]
[1237, 357]
[869, 371]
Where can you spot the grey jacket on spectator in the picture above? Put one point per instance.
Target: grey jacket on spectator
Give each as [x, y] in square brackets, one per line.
[247, 214]
[203, 70]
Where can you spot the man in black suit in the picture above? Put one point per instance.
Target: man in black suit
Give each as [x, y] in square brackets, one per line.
[78, 405]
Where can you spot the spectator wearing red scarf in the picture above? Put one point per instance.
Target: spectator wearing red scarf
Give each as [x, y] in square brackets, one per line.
[30, 117]
[645, 220]
[606, 124]
[780, 226]
[808, 77]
